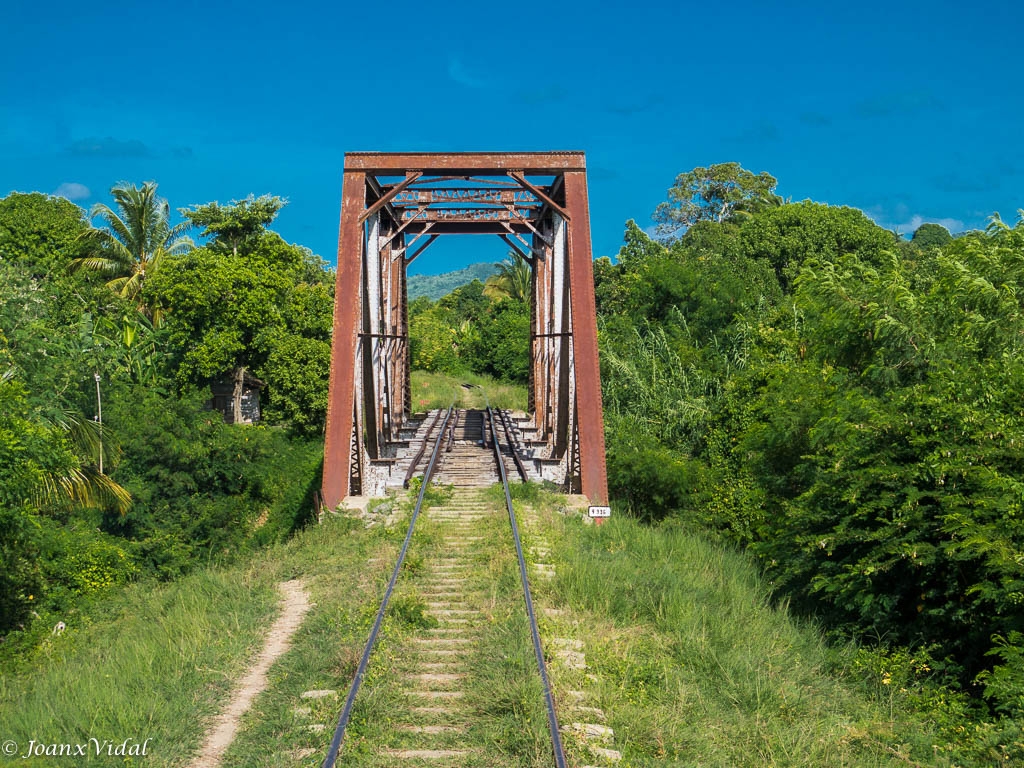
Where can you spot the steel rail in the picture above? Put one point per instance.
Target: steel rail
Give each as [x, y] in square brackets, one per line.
[451, 433]
[346, 712]
[419, 454]
[549, 700]
[484, 431]
[512, 446]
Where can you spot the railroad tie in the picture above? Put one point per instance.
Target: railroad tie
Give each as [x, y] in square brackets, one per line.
[431, 728]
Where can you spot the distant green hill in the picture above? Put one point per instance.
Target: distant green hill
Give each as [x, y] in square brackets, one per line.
[436, 286]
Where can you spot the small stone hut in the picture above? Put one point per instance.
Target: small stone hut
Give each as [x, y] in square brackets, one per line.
[237, 397]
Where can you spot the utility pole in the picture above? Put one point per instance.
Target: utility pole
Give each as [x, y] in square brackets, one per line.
[99, 416]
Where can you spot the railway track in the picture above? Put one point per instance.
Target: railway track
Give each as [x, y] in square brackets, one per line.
[472, 450]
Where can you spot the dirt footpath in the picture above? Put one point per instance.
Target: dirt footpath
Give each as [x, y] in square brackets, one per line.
[294, 604]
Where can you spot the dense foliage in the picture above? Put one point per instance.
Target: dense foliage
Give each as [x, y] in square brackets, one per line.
[848, 406]
[133, 319]
[844, 404]
[471, 331]
[250, 301]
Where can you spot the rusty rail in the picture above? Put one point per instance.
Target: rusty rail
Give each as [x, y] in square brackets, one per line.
[423, 449]
[346, 712]
[512, 447]
[538, 650]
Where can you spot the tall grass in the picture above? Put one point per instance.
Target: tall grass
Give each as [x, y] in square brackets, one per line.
[152, 668]
[694, 665]
[157, 661]
[649, 384]
[687, 657]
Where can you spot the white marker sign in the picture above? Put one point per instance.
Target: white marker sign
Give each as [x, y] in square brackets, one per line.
[600, 511]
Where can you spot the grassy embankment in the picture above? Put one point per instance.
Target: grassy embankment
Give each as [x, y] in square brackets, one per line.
[693, 665]
[154, 661]
[690, 662]
[439, 390]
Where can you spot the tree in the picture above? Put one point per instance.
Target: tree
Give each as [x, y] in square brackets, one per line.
[237, 225]
[45, 465]
[40, 231]
[637, 247]
[502, 346]
[241, 303]
[434, 342]
[929, 235]
[59, 475]
[711, 194]
[133, 245]
[790, 235]
[512, 280]
[467, 302]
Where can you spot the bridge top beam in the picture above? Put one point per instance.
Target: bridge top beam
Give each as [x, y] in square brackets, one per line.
[474, 163]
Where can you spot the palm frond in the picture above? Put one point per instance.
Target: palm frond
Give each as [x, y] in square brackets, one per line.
[86, 437]
[101, 264]
[82, 488]
[996, 225]
[117, 229]
[132, 286]
[513, 279]
[118, 283]
[101, 242]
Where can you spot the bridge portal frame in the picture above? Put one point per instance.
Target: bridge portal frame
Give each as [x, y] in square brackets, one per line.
[537, 203]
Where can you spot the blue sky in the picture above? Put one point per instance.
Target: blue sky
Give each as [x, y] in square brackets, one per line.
[911, 111]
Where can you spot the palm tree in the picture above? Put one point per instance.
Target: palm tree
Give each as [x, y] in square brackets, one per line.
[134, 242]
[512, 279]
[83, 486]
[77, 484]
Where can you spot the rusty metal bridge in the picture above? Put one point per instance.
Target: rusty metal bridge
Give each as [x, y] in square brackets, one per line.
[394, 206]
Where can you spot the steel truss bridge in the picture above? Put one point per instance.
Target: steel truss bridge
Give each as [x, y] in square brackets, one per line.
[394, 207]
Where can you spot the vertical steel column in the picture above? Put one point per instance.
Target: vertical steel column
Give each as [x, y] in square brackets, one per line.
[541, 351]
[398, 384]
[387, 322]
[533, 380]
[341, 397]
[404, 333]
[589, 414]
[371, 338]
[561, 397]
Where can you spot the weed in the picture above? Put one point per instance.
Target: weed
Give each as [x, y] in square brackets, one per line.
[411, 611]
[413, 563]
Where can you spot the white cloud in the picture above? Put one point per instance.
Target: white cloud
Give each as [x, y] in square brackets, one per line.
[953, 225]
[72, 190]
[898, 218]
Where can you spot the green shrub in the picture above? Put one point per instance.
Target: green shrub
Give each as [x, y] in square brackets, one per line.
[501, 347]
[1004, 684]
[411, 612]
[652, 480]
[204, 489]
[85, 561]
[433, 343]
